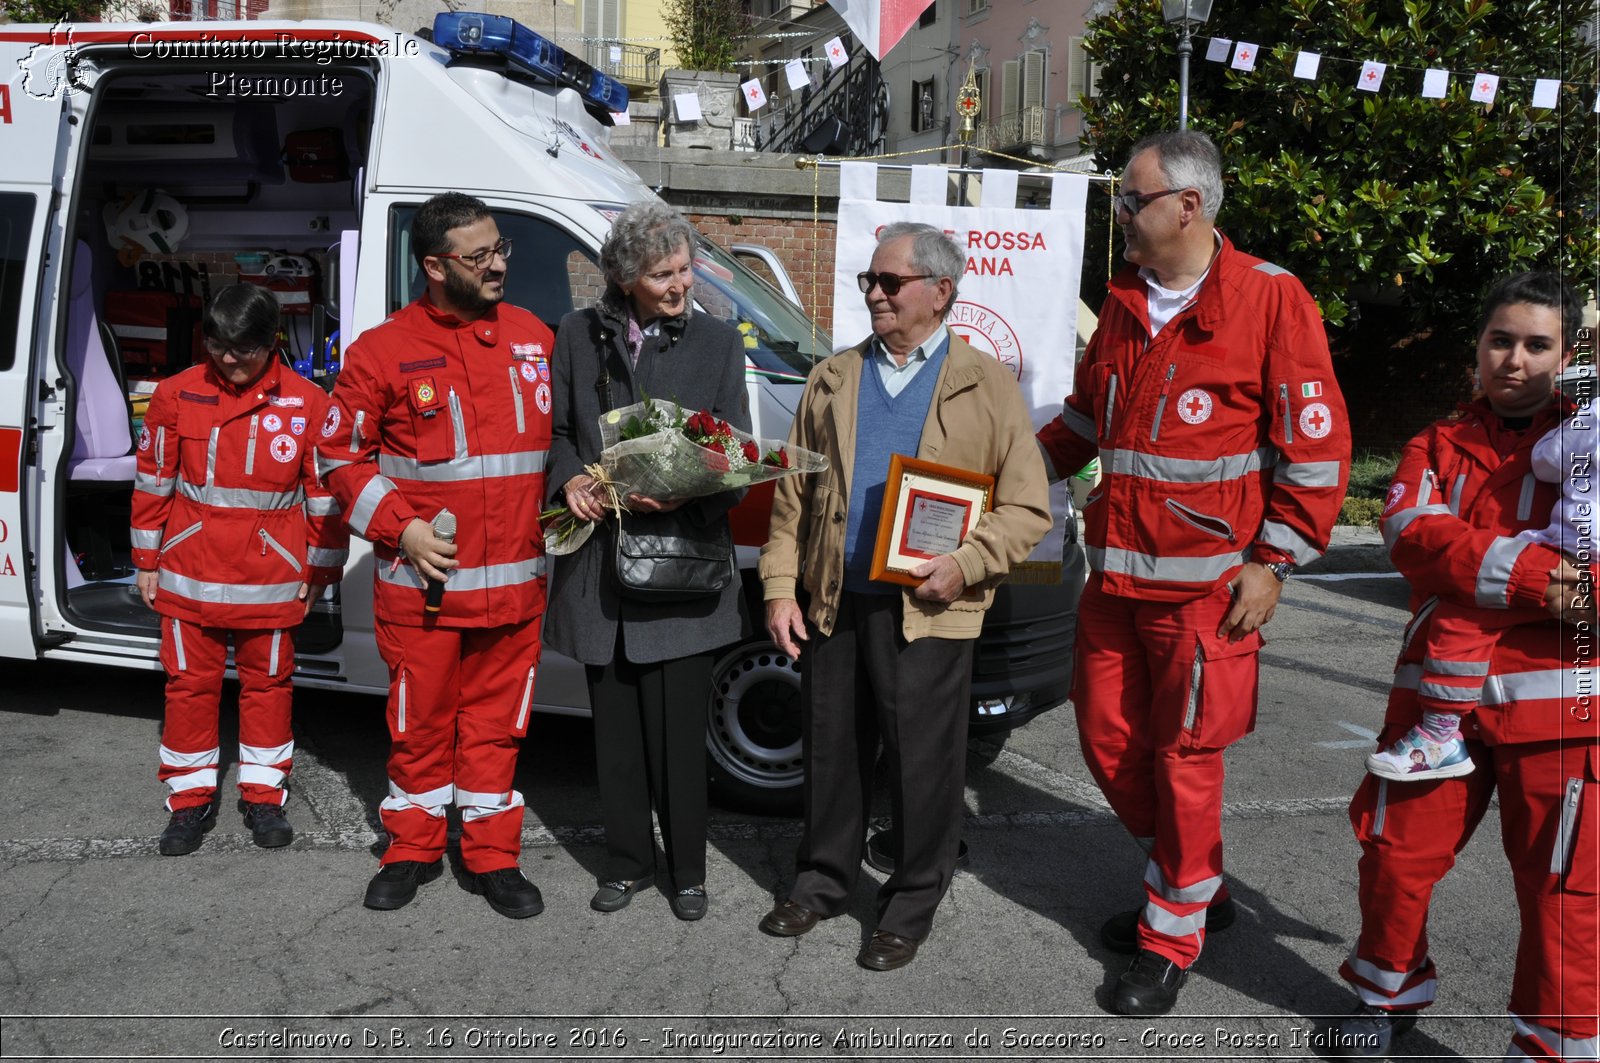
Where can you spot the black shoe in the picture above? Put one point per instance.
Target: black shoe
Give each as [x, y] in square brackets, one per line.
[507, 891]
[1368, 1032]
[1149, 986]
[1120, 933]
[396, 884]
[268, 825]
[887, 952]
[186, 828]
[789, 920]
[690, 904]
[615, 895]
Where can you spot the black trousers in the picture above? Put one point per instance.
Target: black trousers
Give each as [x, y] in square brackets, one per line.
[860, 686]
[650, 748]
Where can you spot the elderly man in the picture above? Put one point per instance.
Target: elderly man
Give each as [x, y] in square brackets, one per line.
[1209, 395]
[891, 663]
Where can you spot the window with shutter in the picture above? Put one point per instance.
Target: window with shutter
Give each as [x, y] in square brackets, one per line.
[1010, 87]
[1033, 79]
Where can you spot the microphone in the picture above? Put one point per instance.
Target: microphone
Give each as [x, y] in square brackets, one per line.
[444, 527]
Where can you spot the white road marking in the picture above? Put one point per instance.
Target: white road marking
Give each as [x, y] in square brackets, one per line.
[1368, 737]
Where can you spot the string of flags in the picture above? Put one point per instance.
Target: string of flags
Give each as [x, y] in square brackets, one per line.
[1241, 55]
[686, 105]
[794, 71]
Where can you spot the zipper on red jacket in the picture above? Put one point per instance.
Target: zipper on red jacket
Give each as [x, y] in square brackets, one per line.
[1161, 403]
[516, 398]
[250, 448]
[283, 552]
[1288, 422]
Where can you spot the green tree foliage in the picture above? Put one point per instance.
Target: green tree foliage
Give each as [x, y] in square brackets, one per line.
[1378, 199]
[705, 33]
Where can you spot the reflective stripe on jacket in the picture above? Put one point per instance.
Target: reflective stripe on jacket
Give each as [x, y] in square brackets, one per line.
[1224, 431]
[226, 502]
[434, 413]
[1463, 490]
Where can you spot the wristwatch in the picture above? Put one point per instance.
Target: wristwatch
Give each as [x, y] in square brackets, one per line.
[1282, 569]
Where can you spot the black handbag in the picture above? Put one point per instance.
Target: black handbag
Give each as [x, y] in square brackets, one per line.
[664, 557]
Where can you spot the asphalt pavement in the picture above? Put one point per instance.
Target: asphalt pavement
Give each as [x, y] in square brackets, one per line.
[109, 951]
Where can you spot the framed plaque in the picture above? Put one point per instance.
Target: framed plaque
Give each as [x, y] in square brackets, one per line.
[928, 510]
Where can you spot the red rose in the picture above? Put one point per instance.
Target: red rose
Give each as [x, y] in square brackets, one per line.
[778, 458]
[752, 453]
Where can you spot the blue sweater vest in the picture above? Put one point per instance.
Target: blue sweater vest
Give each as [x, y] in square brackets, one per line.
[885, 425]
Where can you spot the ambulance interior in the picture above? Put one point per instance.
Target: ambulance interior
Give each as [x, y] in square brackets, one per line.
[180, 193]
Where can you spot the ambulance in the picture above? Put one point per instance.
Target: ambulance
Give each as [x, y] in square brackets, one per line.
[143, 165]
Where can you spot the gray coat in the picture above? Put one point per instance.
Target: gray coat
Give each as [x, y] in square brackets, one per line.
[698, 362]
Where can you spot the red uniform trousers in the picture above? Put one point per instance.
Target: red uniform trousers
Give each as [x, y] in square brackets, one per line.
[1461, 641]
[1158, 698]
[459, 700]
[195, 659]
[1550, 829]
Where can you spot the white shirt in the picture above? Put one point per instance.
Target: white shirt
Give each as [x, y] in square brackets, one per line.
[1164, 304]
[896, 377]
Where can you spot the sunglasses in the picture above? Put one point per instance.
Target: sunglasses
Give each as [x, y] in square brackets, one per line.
[889, 283]
[239, 354]
[482, 260]
[1131, 203]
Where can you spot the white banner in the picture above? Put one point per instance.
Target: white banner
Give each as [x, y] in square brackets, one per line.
[1018, 301]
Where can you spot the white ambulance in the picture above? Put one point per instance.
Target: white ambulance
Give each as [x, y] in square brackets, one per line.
[142, 165]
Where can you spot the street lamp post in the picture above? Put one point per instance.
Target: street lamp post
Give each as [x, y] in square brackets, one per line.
[1187, 14]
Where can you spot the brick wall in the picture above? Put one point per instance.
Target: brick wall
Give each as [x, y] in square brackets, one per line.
[804, 245]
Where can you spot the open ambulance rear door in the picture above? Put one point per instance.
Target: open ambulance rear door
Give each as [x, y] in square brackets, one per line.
[36, 103]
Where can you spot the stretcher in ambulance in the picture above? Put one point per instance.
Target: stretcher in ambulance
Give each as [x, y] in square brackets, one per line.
[145, 165]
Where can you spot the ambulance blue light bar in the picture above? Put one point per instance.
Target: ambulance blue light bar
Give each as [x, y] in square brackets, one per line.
[472, 33]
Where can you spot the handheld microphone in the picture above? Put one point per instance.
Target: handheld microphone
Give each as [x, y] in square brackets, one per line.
[444, 527]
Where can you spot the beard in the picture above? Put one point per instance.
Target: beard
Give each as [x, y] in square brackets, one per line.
[467, 293]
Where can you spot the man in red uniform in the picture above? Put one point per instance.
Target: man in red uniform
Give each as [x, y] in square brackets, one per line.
[1463, 491]
[1209, 396]
[232, 536]
[446, 406]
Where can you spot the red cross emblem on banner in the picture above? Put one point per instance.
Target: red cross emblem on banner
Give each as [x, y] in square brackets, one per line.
[1244, 55]
[1371, 74]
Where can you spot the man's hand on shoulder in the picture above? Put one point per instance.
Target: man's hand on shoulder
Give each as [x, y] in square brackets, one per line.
[1255, 599]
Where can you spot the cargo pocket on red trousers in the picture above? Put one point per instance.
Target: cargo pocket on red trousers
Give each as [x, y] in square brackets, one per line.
[1221, 704]
[1576, 857]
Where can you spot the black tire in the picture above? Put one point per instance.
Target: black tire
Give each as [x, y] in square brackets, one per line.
[753, 731]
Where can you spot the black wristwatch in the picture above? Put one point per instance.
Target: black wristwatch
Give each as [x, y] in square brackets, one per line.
[1282, 569]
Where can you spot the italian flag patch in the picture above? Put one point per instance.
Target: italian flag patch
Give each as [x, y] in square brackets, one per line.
[1312, 390]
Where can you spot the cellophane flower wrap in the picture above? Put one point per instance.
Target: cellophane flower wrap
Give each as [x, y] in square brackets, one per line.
[662, 450]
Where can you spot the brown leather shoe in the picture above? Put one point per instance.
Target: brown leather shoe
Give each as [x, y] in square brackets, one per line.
[886, 951]
[788, 920]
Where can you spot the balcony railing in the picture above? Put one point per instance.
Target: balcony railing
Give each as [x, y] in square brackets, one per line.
[630, 64]
[1028, 126]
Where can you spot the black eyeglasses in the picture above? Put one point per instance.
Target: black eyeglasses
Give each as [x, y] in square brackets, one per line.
[891, 283]
[240, 354]
[481, 260]
[1132, 203]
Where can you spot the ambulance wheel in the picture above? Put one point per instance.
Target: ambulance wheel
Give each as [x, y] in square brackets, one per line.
[753, 730]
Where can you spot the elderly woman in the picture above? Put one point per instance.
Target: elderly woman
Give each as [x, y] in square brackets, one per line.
[648, 665]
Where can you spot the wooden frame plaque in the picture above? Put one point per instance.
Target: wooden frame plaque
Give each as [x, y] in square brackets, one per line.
[928, 510]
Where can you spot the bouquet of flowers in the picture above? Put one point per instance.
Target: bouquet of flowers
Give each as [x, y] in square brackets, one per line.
[662, 450]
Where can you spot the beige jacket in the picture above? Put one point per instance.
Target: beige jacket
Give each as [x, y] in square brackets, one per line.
[978, 421]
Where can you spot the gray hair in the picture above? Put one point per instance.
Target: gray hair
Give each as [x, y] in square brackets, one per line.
[1188, 160]
[932, 252]
[642, 235]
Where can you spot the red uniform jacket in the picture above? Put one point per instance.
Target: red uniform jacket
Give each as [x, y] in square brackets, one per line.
[1225, 431]
[1464, 487]
[226, 503]
[434, 413]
